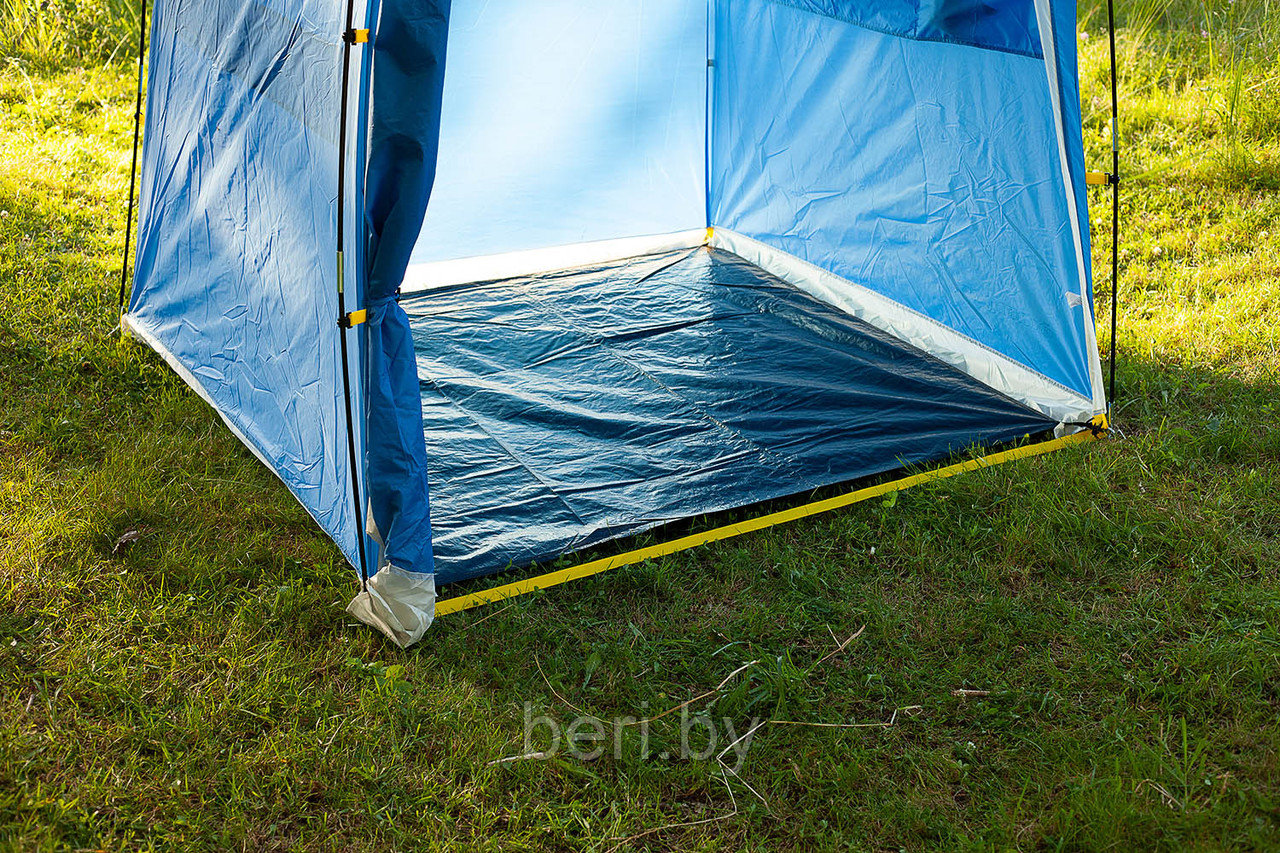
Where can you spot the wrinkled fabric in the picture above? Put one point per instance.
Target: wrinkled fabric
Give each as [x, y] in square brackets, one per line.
[566, 409]
[924, 170]
[235, 270]
[1066, 75]
[908, 146]
[400, 604]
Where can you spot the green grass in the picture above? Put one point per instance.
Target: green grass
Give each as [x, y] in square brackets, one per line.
[53, 33]
[1119, 604]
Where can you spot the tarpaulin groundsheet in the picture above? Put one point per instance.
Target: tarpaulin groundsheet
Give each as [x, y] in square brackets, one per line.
[568, 408]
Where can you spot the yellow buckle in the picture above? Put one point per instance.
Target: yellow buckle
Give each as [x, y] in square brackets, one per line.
[355, 318]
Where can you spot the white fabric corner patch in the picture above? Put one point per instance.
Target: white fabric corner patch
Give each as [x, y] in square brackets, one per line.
[400, 604]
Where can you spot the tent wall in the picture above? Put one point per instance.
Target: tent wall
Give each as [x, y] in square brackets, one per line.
[1056, 21]
[882, 146]
[568, 121]
[235, 271]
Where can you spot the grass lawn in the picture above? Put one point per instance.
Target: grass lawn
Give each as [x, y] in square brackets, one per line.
[1113, 610]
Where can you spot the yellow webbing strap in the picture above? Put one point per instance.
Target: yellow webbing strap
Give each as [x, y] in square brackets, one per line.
[594, 567]
[1095, 179]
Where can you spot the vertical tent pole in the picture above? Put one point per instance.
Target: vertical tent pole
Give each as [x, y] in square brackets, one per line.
[133, 170]
[708, 115]
[345, 320]
[1114, 180]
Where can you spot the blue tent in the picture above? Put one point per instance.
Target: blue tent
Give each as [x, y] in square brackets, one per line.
[612, 264]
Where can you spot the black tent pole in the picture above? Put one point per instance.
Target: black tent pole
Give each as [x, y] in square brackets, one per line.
[133, 171]
[1114, 180]
[344, 323]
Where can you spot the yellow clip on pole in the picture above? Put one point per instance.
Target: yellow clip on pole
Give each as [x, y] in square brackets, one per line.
[355, 318]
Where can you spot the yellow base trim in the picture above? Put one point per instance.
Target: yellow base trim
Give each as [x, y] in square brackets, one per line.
[595, 567]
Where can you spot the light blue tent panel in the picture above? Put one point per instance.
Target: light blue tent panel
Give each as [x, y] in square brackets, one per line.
[925, 170]
[568, 121]
[235, 269]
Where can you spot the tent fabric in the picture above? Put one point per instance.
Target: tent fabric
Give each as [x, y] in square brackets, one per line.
[409, 57]
[234, 272]
[1057, 24]
[399, 603]
[961, 352]
[568, 122]
[925, 171]
[569, 408]
[991, 24]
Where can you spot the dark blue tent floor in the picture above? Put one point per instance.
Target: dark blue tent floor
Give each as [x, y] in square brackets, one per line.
[565, 409]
